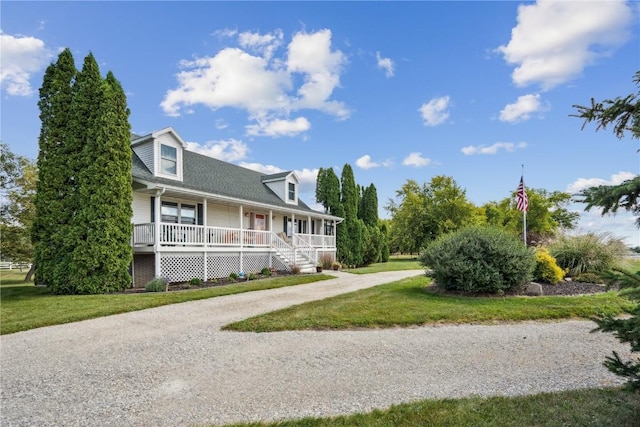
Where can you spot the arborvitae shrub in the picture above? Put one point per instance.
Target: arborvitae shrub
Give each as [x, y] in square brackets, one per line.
[547, 270]
[479, 260]
[158, 284]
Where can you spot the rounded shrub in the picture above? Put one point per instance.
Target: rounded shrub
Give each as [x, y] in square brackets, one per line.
[196, 281]
[479, 259]
[547, 270]
[159, 284]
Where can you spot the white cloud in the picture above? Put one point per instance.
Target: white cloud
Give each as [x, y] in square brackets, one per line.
[522, 109]
[386, 64]
[311, 55]
[492, 149]
[263, 44]
[230, 150]
[259, 167]
[416, 159]
[232, 78]
[435, 111]
[554, 40]
[268, 88]
[308, 178]
[584, 183]
[279, 127]
[22, 56]
[365, 162]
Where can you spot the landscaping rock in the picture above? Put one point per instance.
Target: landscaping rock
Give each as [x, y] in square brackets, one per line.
[533, 289]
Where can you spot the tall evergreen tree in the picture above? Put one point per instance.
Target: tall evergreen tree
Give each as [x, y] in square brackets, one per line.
[350, 231]
[102, 254]
[84, 247]
[369, 212]
[52, 216]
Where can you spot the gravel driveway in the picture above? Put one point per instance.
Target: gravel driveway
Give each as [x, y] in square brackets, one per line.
[172, 366]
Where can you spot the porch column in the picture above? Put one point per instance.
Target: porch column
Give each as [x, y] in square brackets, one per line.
[156, 232]
[205, 237]
[241, 237]
[270, 237]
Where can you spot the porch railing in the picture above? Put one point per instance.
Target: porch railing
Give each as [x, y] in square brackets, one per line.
[198, 235]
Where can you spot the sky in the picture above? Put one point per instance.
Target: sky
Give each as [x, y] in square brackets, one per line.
[479, 91]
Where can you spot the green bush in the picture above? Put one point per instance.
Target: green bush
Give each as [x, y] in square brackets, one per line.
[158, 284]
[587, 252]
[196, 281]
[479, 259]
[265, 272]
[233, 276]
[547, 270]
[589, 277]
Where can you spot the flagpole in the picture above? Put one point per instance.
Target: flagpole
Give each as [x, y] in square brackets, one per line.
[524, 213]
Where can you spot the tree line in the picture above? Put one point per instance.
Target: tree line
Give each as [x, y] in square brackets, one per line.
[421, 213]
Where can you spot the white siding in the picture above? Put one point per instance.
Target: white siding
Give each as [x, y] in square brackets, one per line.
[145, 152]
[141, 208]
[278, 187]
[223, 216]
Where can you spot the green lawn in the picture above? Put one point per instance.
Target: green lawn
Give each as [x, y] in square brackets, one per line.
[395, 263]
[25, 306]
[584, 408]
[407, 302]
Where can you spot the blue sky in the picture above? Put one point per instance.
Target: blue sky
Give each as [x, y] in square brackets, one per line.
[408, 90]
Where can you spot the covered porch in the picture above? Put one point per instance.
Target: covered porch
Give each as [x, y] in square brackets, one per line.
[181, 235]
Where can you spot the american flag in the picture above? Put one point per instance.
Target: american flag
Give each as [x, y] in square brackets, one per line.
[523, 200]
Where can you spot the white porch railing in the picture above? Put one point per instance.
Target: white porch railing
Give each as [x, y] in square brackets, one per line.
[199, 236]
[314, 240]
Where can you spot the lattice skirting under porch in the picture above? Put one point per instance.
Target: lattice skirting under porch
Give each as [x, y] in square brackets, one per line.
[180, 266]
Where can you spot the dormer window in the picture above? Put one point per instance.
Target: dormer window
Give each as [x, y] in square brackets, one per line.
[168, 160]
[291, 194]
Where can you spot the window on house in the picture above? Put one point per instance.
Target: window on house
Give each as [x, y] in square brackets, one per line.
[169, 212]
[292, 192]
[168, 160]
[175, 213]
[187, 214]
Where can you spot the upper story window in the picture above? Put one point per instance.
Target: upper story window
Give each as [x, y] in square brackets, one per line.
[168, 160]
[291, 193]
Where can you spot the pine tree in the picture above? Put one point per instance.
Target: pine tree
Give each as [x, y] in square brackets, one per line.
[624, 114]
[52, 217]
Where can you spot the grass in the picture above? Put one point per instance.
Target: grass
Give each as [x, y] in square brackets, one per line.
[588, 408]
[25, 306]
[395, 263]
[407, 302]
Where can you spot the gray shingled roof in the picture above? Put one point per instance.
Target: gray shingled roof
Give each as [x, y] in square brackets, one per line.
[209, 175]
